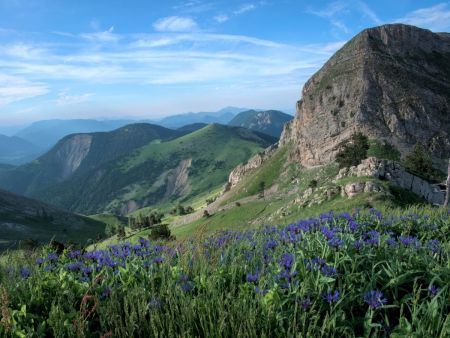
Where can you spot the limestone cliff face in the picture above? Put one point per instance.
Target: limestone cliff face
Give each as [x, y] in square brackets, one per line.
[390, 82]
[70, 155]
[255, 162]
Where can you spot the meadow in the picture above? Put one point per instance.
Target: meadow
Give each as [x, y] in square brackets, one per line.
[364, 273]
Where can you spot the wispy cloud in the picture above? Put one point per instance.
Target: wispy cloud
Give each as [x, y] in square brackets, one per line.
[436, 17]
[105, 36]
[245, 8]
[221, 18]
[175, 24]
[66, 99]
[337, 11]
[14, 88]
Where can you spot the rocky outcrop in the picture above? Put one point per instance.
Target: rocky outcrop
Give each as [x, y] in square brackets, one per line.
[393, 172]
[390, 82]
[70, 154]
[352, 189]
[255, 162]
[177, 182]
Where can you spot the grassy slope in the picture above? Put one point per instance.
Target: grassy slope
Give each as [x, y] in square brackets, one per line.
[22, 218]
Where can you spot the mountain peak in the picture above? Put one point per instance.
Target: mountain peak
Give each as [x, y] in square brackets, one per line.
[390, 82]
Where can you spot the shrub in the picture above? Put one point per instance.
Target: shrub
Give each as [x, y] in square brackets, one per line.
[419, 161]
[353, 151]
[383, 150]
[160, 231]
[312, 184]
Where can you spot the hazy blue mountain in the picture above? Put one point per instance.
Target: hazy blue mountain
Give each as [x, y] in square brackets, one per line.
[15, 150]
[222, 116]
[270, 122]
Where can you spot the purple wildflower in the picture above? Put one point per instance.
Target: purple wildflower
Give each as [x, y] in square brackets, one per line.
[328, 270]
[287, 260]
[305, 303]
[434, 246]
[336, 242]
[331, 296]
[358, 245]
[25, 272]
[52, 256]
[433, 290]
[375, 299]
[252, 278]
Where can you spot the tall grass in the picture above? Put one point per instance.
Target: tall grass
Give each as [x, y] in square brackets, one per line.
[365, 274]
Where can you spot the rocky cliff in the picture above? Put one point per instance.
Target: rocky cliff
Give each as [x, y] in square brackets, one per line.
[390, 82]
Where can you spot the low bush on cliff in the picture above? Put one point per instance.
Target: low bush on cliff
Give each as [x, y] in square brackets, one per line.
[353, 151]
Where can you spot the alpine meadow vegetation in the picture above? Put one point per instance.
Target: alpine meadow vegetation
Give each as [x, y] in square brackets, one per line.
[363, 273]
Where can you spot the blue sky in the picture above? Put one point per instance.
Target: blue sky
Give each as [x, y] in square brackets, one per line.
[147, 59]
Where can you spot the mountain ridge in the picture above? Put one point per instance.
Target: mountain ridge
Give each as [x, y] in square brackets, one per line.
[391, 82]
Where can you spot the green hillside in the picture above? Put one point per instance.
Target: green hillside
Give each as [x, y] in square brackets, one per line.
[22, 218]
[114, 178]
[269, 122]
[78, 155]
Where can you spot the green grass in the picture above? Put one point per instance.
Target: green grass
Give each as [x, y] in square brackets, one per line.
[267, 283]
[268, 173]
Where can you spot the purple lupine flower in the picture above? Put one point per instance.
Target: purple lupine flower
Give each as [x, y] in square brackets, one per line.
[25, 272]
[409, 241]
[358, 245]
[52, 256]
[336, 242]
[40, 261]
[375, 299]
[187, 287]
[252, 278]
[305, 303]
[434, 246]
[158, 259]
[74, 266]
[105, 293]
[271, 243]
[372, 238]
[87, 270]
[328, 270]
[74, 254]
[331, 296]
[261, 291]
[392, 242]
[353, 225]
[433, 290]
[287, 260]
[316, 263]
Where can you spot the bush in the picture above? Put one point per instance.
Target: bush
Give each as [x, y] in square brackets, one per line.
[312, 184]
[383, 150]
[160, 231]
[419, 161]
[353, 151]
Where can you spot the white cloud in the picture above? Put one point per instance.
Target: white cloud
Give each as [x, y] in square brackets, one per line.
[175, 24]
[106, 36]
[22, 51]
[66, 99]
[436, 18]
[14, 88]
[221, 18]
[336, 12]
[244, 8]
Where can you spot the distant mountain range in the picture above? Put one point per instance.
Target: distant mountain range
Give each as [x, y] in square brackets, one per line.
[270, 122]
[135, 166]
[222, 116]
[30, 142]
[15, 150]
[23, 218]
